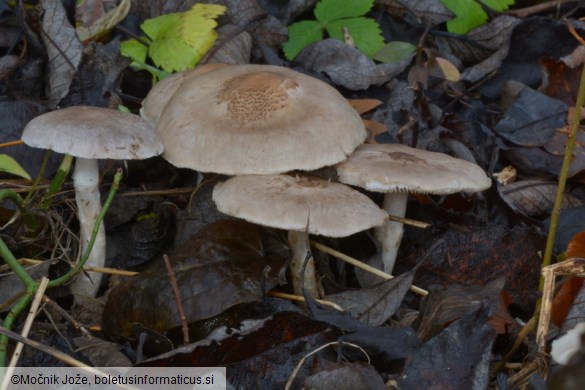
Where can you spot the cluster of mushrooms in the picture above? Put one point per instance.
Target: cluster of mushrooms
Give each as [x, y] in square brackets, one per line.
[260, 124]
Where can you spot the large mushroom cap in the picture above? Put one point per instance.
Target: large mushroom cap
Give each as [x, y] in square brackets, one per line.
[258, 119]
[302, 203]
[93, 133]
[400, 168]
[158, 97]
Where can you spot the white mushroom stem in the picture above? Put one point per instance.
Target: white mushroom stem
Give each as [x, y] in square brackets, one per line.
[390, 234]
[87, 197]
[299, 244]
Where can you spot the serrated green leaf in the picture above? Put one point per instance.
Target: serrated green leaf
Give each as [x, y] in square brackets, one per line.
[365, 33]
[301, 35]
[327, 11]
[468, 15]
[156, 27]
[498, 5]
[180, 40]
[394, 51]
[134, 49]
[9, 165]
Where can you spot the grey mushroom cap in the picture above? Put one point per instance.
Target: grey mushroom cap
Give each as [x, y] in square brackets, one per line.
[258, 119]
[94, 133]
[301, 203]
[158, 97]
[400, 168]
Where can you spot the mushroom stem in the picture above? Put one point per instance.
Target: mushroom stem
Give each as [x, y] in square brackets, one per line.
[87, 197]
[390, 234]
[299, 244]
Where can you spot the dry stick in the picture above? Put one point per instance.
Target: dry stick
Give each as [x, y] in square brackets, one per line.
[538, 8]
[56, 354]
[365, 267]
[177, 294]
[66, 315]
[554, 219]
[11, 143]
[546, 260]
[293, 297]
[300, 363]
[44, 348]
[32, 313]
[103, 270]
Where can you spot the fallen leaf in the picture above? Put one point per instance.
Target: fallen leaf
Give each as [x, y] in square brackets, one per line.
[457, 358]
[220, 267]
[364, 105]
[64, 49]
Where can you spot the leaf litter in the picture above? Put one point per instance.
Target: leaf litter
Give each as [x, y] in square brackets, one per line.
[482, 282]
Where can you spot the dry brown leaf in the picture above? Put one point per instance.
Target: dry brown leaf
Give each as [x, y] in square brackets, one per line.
[364, 105]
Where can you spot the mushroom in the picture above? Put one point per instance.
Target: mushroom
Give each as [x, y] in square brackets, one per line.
[303, 205]
[396, 170]
[159, 95]
[257, 119]
[91, 133]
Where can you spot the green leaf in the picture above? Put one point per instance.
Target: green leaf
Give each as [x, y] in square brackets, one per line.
[394, 51]
[364, 31]
[157, 27]
[468, 15]
[301, 35]
[9, 165]
[498, 5]
[329, 10]
[181, 40]
[134, 49]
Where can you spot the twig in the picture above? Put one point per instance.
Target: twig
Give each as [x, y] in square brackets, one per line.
[537, 8]
[554, 219]
[177, 294]
[11, 143]
[298, 367]
[32, 313]
[293, 297]
[365, 267]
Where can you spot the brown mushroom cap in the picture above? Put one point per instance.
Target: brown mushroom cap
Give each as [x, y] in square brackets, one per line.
[302, 203]
[400, 168]
[258, 119]
[158, 97]
[93, 133]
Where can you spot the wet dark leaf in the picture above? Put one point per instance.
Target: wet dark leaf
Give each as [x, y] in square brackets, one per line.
[341, 375]
[534, 198]
[457, 358]
[511, 253]
[534, 161]
[347, 66]
[342, 320]
[63, 49]
[532, 118]
[15, 115]
[264, 357]
[97, 81]
[102, 353]
[571, 222]
[374, 305]
[383, 344]
[557, 144]
[532, 39]
[445, 305]
[233, 46]
[561, 80]
[218, 268]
